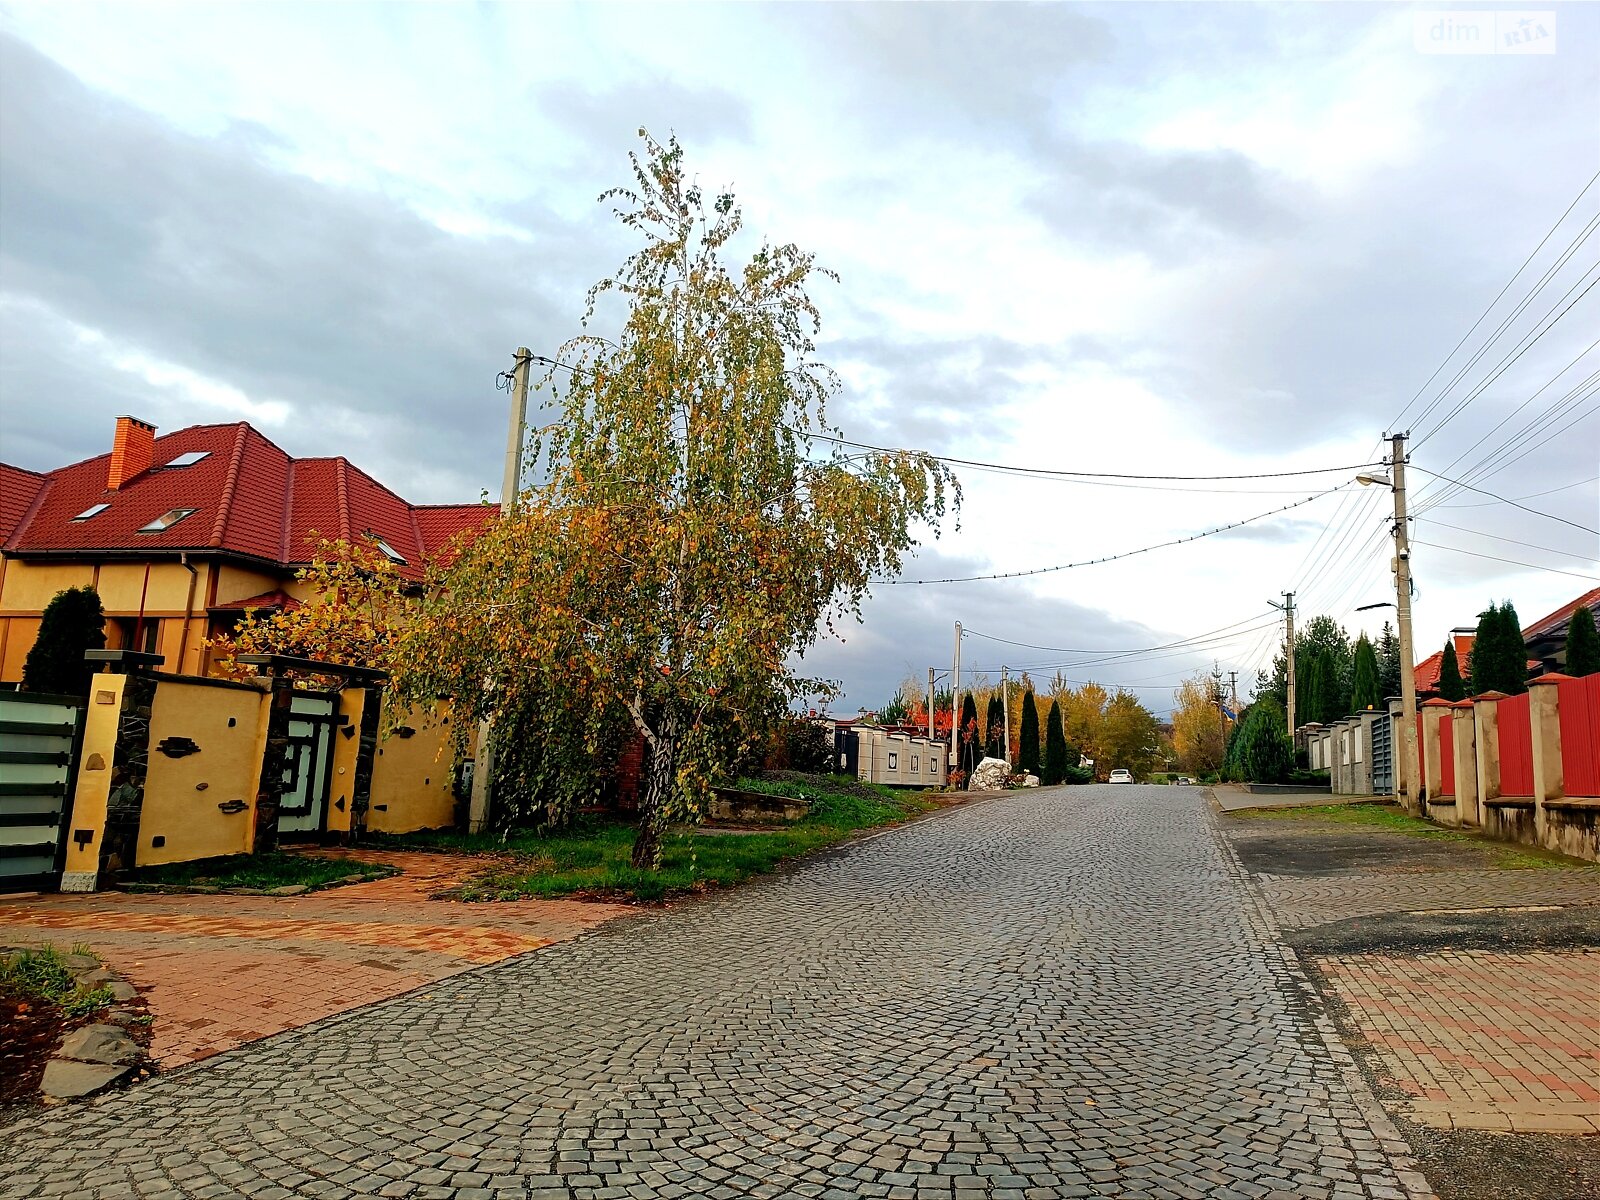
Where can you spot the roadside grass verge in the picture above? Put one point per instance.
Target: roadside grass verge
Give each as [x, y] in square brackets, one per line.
[1391, 817]
[38, 975]
[591, 859]
[261, 872]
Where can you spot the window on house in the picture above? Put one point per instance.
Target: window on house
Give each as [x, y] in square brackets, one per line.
[389, 551]
[134, 634]
[94, 510]
[187, 459]
[167, 520]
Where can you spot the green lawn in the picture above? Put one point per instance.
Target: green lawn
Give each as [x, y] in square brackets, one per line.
[39, 975]
[261, 871]
[1507, 856]
[592, 858]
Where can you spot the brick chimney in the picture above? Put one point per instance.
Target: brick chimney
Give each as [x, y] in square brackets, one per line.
[131, 452]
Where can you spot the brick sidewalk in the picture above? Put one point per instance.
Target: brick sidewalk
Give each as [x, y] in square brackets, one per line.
[1482, 1040]
[220, 970]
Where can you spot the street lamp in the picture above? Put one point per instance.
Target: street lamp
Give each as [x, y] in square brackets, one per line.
[1366, 480]
[1379, 604]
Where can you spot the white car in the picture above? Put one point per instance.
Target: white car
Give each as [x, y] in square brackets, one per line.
[1121, 775]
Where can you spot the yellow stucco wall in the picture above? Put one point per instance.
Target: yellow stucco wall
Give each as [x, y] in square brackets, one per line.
[182, 794]
[26, 587]
[93, 788]
[411, 778]
[346, 749]
[30, 586]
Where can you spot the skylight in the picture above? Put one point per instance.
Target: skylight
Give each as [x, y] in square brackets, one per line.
[94, 510]
[389, 551]
[187, 459]
[167, 520]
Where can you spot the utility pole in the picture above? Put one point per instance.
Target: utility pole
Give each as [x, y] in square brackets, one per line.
[930, 704]
[1233, 690]
[1287, 608]
[1216, 692]
[511, 482]
[1005, 715]
[955, 702]
[1402, 587]
[510, 489]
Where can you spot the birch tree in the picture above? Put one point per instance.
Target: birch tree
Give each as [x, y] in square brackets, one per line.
[693, 529]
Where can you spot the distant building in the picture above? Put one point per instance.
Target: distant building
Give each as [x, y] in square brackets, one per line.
[180, 534]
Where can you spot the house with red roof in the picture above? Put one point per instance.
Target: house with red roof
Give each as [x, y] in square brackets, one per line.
[1545, 638]
[181, 534]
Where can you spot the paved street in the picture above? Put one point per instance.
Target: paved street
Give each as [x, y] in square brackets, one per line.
[1054, 994]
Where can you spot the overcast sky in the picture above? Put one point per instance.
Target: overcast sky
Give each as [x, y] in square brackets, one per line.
[1167, 239]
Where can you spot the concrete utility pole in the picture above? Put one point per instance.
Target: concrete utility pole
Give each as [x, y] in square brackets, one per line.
[510, 488]
[1288, 612]
[955, 701]
[930, 704]
[1233, 690]
[1005, 715]
[511, 481]
[1408, 659]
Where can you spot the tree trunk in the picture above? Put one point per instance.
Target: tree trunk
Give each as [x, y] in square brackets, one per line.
[657, 800]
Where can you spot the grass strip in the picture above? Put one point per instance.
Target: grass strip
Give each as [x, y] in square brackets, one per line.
[592, 858]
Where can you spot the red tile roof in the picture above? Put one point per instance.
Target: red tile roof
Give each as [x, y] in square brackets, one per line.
[1427, 672]
[1556, 623]
[274, 601]
[250, 497]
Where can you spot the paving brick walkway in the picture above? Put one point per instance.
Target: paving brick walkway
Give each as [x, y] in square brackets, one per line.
[1056, 994]
[1482, 1040]
[1301, 902]
[219, 971]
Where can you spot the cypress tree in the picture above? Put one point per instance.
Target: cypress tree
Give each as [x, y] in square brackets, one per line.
[1055, 747]
[1263, 753]
[1308, 686]
[1364, 676]
[1499, 656]
[1028, 739]
[1331, 700]
[1451, 685]
[970, 736]
[1388, 662]
[1583, 643]
[994, 727]
[73, 622]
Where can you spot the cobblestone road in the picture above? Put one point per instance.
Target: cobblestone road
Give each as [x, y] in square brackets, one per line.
[1053, 994]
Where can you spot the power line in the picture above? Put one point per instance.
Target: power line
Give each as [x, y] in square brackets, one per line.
[1111, 557]
[1532, 254]
[1504, 500]
[1497, 538]
[989, 637]
[1565, 487]
[1504, 364]
[1051, 472]
[1512, 561]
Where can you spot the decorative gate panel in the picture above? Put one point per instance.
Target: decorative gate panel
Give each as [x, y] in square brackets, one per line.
[39, 739]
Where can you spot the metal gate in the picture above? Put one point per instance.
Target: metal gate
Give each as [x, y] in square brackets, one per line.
[1383, 756]
[307, 764]
[39, 740]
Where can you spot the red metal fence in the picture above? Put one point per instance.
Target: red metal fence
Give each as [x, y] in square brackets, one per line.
[1516, 747]
[1580, 735]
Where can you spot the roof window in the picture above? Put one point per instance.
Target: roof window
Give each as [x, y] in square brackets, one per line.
[389, 551]
[187, 459]
[167, 520]
[94, 510]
